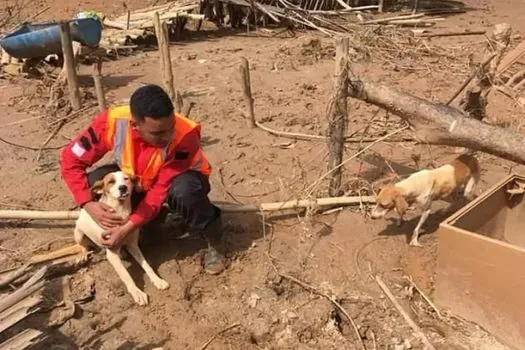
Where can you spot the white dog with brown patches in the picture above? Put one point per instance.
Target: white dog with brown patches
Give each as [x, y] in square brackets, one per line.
[115, 191]
[426, 186]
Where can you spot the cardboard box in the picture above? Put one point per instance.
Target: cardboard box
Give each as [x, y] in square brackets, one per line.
[481, 263]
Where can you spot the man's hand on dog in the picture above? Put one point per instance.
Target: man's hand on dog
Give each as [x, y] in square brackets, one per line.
[116, 236]
[103, 215]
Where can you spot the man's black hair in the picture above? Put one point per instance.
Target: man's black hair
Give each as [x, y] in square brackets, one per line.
[150, 101]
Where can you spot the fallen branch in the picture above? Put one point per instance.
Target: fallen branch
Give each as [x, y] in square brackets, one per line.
[436, 123]
[293, 204]
[235, 325]
[419, 333]
[324, 295]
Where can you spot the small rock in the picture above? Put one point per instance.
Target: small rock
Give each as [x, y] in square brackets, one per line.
[253, 299]
[407, 344]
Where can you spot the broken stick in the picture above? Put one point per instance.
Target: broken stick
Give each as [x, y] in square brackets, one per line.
[69, 63]
[161, 31]
[417, 330]
[338, 116]
[247, 91]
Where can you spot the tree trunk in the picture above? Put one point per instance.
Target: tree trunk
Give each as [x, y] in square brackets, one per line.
[436, 123]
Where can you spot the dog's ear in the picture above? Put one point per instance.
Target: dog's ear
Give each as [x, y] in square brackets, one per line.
[98, 187]
[136, 183]
[401, 205]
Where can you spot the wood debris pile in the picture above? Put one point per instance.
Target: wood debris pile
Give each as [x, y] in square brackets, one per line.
[18, 305]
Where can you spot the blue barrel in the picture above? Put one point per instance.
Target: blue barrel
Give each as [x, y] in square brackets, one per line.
[40, 40]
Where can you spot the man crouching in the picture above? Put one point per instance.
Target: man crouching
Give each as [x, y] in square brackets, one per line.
[162, 150]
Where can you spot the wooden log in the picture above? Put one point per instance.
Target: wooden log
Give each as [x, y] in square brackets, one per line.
[247, 92]
[293, 204]
[337, 116]
[13, 275]
[161, 30]
[436, 123]
[99, 89]
[69, 63]
[380, 6]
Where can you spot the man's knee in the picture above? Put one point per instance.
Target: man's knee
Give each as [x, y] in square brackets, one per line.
[188, 187]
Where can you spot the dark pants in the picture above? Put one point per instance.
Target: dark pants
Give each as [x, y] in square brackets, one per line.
[187, 198]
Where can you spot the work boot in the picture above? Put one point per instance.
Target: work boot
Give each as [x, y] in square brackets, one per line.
[214, 260]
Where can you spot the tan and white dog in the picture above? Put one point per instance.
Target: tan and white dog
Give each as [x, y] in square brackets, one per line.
[115, 191]
[426, 186]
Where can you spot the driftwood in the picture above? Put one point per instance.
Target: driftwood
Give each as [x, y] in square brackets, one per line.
[293, 204]
[338, 116]
[436, 123]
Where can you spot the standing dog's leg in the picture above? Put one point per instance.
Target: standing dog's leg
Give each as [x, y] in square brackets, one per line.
[134, 250]
[83, 242]
[415, 235]
[139, 296]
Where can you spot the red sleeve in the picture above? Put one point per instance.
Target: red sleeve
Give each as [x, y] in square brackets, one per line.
[83, 151]
[155, 197]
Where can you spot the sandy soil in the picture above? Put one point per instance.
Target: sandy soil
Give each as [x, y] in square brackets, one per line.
[338, 252]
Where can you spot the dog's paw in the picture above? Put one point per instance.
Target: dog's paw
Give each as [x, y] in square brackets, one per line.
[160, 284]
[415, 243]
[139, 296]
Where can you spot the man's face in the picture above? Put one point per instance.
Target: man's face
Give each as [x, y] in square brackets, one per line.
[157, 132]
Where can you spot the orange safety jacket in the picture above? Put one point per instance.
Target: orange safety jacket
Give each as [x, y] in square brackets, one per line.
[118, 138]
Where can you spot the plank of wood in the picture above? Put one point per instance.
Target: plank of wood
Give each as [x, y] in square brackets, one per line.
[23, 340]
[19, 311]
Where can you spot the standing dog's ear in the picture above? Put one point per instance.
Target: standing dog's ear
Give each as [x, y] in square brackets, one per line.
[401, 205]
[98, 187]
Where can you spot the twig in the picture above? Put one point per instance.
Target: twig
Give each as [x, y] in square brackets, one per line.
[307, 137]
[471, 76]
[427, 299]
[221, 177]
[419, 333]
[49, 138]
[235, 325]
[313, 185]
[329, 298]
[74, 114]
[29, 147]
